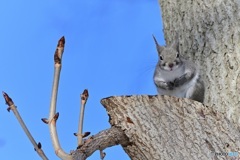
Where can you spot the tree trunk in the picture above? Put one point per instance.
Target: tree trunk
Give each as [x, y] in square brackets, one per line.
[163, 127]
[209, 34]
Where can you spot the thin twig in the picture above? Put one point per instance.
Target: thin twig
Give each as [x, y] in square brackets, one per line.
[84, 98]
[102, 154]
[52, 114]
[12, 107]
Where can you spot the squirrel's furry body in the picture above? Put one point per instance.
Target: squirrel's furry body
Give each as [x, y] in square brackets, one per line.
[176, 76]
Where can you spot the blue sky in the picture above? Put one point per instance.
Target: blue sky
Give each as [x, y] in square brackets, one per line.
[109, 51]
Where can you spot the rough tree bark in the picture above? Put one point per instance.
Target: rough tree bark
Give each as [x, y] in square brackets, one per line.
[209, 34]
[163, 127]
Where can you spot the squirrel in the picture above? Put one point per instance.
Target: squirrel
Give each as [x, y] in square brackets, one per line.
[176, 76]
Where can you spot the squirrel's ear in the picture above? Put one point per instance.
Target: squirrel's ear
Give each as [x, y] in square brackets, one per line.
[159, 48]
[175, 43]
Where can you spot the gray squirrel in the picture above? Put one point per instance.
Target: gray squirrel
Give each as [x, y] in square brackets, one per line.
[176, 76]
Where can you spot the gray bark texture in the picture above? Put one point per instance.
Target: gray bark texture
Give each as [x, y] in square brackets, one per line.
[163, 127]
[170, 128]
[209, 35]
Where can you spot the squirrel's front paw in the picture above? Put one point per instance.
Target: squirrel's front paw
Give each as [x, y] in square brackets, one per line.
[170, 85]
[176, 82]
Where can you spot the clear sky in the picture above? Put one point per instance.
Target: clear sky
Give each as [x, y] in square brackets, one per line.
[109, 51]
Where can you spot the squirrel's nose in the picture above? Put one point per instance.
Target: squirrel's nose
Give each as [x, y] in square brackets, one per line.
[170, 65]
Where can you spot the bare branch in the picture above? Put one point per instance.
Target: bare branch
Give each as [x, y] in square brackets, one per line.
[11, 106]
[104, 139]
[53, 115]
[84, 98]
[57, 70]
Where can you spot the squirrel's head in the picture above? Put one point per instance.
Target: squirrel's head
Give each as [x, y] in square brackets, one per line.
[169, 58]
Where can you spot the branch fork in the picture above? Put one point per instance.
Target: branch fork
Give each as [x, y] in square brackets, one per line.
[85, 147]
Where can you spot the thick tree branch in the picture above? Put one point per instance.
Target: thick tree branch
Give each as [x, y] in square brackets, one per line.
[164, 127]
[100, 141]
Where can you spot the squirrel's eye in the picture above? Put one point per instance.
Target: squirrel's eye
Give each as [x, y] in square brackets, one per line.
[161, 58]
[177, 55]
